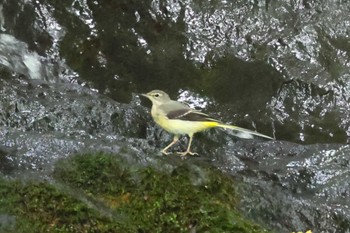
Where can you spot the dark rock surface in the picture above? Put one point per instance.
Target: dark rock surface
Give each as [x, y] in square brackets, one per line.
[70, 72]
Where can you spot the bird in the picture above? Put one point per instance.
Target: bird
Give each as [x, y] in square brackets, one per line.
[179, 119]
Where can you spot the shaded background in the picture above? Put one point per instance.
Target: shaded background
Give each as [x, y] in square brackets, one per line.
[286, 62]
[72, 69]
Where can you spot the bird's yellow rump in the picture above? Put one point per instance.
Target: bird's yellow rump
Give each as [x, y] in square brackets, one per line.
[179, 119]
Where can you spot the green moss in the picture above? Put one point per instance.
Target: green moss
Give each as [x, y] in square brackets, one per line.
[156, 201]
[101, 193]
[40, 207]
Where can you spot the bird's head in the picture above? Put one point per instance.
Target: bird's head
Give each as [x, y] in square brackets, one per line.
[157, 97]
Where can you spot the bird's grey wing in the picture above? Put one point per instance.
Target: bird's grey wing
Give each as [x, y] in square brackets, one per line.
[180, 111]
[191, 115]
[173, 106]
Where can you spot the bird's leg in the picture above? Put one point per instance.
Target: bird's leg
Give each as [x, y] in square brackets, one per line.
[188, 151]
[176, 138]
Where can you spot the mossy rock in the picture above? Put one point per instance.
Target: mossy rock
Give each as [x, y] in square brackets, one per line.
[40, 207]
[103, 193]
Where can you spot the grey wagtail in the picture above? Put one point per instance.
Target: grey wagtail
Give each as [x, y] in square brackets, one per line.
[179, 119]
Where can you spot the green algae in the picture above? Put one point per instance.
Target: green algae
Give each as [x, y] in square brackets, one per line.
[102, 193]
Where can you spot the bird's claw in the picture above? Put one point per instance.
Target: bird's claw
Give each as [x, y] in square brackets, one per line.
[165, 152]
[181, 153]
[187, 152]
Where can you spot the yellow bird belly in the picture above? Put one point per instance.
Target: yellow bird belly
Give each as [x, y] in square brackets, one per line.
[176, 126]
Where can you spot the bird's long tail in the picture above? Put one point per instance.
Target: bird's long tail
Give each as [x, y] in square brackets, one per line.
[244, 133]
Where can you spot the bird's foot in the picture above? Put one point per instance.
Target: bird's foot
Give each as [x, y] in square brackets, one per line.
[187, 153]
[164, 152]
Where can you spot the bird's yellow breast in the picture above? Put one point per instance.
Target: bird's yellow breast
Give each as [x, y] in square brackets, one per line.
[176, 126]
[181, 127]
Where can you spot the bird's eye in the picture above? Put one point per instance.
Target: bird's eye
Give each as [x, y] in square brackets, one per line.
[156, 95]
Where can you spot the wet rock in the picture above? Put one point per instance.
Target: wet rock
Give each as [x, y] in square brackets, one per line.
[41, 123]
[278, 67]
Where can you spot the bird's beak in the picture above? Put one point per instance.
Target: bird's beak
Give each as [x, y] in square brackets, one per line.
[145, 95]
